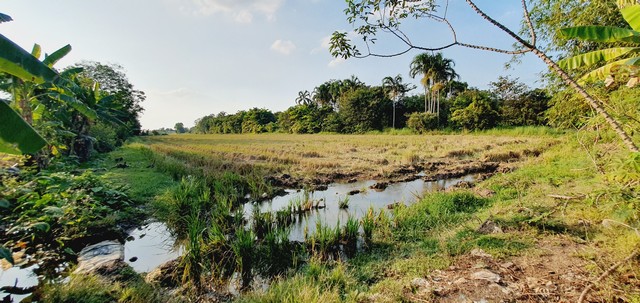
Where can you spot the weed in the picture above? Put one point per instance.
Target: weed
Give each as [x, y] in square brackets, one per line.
[243, 248]
[368, 223]
[343, 203]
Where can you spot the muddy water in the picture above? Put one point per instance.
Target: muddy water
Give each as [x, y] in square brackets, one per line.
[403, 192]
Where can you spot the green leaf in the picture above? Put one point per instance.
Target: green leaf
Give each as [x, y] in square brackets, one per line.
[603, 72]
[16, 61]
[6, 254]
[16, 135]
[36, 51]
[631, 14]
[76, 104]
[41, 226]
[50, 60]
[595, 57]
[601, 34]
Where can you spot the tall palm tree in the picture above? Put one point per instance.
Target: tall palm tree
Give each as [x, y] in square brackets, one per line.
[443, 74]
[396, 90]
[422, 64]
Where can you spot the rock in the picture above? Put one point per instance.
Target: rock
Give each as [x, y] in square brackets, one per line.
[489, 227]
[133, 259]
[354, 192]
[460, 281]
[486, 275]
[96, 256]
[352, 180]
[420, 283]
[167, 274]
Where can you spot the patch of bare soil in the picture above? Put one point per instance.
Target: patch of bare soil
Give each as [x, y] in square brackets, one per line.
[554, 274]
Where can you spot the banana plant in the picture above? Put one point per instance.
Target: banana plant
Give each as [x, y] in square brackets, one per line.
[16, 135]
[620, 61]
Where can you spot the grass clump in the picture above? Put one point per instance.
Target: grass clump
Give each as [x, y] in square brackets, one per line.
[95, 289]
[435, 211]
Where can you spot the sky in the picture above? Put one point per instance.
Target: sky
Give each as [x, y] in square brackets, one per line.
[194, 58]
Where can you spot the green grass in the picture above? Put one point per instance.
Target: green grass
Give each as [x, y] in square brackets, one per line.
[142, 181]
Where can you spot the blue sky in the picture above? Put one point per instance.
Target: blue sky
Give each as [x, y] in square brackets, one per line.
[198, 57]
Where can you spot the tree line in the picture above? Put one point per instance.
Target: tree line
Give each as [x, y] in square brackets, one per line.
[351, 106]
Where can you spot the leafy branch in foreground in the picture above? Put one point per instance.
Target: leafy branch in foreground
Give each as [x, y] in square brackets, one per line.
[630, 62]
[373, 17]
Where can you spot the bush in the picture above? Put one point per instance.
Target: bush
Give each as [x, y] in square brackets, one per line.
[422, 122]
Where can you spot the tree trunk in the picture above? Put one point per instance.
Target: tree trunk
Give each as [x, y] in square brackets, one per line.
[595, 104]
[425, 99]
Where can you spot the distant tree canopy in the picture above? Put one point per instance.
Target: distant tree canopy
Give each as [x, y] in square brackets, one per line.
[351, 106]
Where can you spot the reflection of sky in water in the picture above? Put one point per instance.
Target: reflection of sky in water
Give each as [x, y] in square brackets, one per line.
[405, 192]
[152, 249]
[25, 277]
[157, 246]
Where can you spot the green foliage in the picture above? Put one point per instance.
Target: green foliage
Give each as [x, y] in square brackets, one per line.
[60, 210]
[474, 110]
[435, 211]
[95, 289]
[519, 106]
[422, 122]
[365, 109]
[243, 247]
[627, 57]
[16, 135]
[179, 127]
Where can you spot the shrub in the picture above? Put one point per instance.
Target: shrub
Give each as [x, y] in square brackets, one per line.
[422, 122]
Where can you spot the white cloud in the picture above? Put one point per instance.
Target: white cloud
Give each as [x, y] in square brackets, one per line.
[336, 61]
[241, 11]
[284, 47]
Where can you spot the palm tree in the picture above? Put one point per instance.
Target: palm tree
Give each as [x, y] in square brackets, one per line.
[443, 74]
[423, 64]
[436, 71]
[396, 90]
[304, 97]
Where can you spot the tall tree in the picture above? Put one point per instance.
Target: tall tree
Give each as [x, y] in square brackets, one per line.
[423, 64]
[114, 81]
[394, 87]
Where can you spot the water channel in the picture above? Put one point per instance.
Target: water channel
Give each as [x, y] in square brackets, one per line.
[153, 244]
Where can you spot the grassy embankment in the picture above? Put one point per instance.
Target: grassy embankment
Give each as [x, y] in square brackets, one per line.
[437, 236]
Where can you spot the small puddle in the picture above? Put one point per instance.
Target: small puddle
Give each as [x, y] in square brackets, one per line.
[19, 277]
[151, 245]
[402, 192]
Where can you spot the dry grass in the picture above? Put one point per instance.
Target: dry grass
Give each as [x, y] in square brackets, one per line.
[367, 156]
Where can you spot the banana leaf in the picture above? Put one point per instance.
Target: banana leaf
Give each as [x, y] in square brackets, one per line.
[601, 34]
[595, 57]
[631, 14]
[16, 135]
[50, 60]
[16, 61]
[604, 71]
